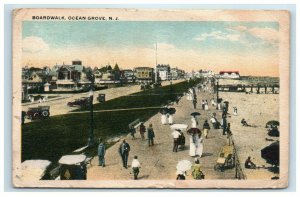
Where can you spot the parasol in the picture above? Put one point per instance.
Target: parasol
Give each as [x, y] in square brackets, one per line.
[179, 126]
[184, 165]
[274, 132]
[195, 114]
[271, 153]
[171, 110]
[225, 102]
[192, 131]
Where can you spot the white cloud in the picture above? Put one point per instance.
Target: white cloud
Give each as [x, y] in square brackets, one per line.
[266, 34]
[34, 45]
[218, 35]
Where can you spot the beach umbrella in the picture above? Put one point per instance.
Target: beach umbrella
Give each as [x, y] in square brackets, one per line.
[163, 110]
[273, 132]
[179, 126]
[271, 153]
[195, 114]
[192, 131]
[184, 165]
[171, 110]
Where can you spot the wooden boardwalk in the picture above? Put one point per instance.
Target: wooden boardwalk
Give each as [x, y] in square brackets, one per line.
[158, 161]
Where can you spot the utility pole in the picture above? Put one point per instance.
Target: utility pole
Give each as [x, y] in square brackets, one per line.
[156, 63]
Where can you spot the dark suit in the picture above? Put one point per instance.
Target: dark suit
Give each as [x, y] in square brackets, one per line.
[124, 152]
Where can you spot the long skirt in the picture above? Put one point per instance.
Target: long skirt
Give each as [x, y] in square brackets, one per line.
[199, 150]
[170, 119]
[206, 107]
[194, 123]
[189, 97]
[195, 147]
[163, 119]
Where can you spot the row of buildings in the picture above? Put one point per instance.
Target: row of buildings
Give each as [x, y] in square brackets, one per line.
[76, 77]
[228, 74]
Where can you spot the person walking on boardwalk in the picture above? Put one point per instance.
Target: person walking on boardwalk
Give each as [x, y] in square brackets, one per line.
[101, 153]
[206, 128]
[229, 134]
[124, 150]
[214, 122]
[206, 105]
[151, 135]
[224, 124]
[142, 131]
[195, 102]
[203, 104]
[132, 132]
[176, 135]
[196, 145]
[194, 122]
[135, 167]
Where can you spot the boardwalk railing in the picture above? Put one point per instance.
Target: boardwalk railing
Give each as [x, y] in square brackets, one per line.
[239, 172]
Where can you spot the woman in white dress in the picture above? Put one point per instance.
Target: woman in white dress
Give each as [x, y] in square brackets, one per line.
[194, 122]
[196, 145]
[170, 118]
[193, 142]
[206, 105]
[199, 149]
[164, 119]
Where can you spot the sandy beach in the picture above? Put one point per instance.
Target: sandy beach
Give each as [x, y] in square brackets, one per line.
[257, 109]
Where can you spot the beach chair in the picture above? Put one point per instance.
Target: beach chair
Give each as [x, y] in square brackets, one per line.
[226, 158]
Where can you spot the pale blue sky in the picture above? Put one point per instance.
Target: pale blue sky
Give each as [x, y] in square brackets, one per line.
[144, 34]
[251, 47]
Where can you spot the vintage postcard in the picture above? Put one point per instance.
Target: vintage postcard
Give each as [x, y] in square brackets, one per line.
[149, 98]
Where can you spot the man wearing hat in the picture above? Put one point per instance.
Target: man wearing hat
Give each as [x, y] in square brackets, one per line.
[151, 135]
[124, 152]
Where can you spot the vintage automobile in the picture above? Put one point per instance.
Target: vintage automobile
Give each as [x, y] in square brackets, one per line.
[39, 112]
[82, 102]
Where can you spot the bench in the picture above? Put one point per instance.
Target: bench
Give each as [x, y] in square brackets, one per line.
[135, 123]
